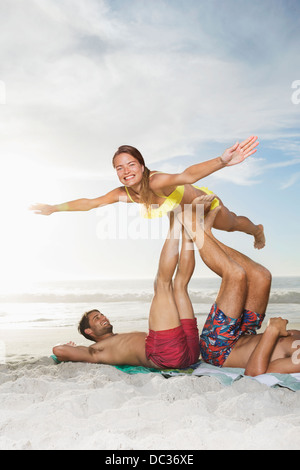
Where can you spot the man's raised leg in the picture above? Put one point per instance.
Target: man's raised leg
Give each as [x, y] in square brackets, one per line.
[185, 269]
[173, 339]
[258, 277]
[163, 312]
[233, 290]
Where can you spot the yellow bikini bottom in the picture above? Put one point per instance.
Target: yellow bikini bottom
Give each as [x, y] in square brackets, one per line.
[172, 201]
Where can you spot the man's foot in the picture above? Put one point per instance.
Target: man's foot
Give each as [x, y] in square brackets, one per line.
[190, 209]
[205, 200]
[191, 216]
[209, 214]
[259, 238]
[210, 219]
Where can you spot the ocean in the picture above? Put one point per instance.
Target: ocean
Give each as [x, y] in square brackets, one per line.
[57, 304]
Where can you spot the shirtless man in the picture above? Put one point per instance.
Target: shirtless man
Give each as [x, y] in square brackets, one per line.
[173, 338]
[229, 336]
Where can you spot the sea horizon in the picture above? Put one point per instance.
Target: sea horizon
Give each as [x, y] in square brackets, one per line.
[60, 303]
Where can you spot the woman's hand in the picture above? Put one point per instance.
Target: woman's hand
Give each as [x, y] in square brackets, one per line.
[42, 209]
[239, 152]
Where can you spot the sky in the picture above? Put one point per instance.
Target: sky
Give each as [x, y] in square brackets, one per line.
[181, 80]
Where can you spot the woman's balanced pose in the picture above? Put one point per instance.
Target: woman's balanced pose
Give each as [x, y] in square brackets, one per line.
[160, 193]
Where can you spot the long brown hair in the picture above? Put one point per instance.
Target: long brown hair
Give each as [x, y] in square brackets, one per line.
[145, 192]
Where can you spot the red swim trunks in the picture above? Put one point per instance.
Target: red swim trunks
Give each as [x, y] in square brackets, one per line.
[177, 348]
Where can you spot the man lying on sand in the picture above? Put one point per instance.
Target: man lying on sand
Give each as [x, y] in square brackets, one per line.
[229, 336]
[173, 338]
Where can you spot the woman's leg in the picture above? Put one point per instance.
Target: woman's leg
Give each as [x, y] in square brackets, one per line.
[230, 222]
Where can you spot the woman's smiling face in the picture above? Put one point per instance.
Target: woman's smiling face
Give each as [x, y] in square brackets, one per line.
[129, 170]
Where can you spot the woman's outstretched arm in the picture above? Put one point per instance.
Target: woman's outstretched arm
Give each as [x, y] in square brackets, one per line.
[80, 204]
[232, 156]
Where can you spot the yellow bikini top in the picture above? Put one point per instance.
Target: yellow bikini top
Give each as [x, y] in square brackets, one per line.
[172, 201]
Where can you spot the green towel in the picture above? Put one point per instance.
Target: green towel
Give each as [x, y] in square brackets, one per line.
[136, 370]
[55, 359]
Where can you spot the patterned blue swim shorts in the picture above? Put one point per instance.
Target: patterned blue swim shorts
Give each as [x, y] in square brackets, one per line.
[220, 333]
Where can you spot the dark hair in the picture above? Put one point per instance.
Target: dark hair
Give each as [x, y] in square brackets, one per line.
[85, 323]
[145, 193]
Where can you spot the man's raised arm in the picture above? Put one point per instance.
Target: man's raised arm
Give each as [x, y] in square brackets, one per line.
[69, 353]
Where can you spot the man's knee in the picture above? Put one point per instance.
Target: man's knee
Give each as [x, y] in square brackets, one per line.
[260, 277]
[263, 278]
[237, 274]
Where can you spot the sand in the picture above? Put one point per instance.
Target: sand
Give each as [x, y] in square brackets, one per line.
[85, 406]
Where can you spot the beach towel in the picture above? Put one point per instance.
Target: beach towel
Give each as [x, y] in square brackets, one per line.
[227, 376]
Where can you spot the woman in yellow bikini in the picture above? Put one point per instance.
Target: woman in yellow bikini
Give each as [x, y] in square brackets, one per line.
[161, 193]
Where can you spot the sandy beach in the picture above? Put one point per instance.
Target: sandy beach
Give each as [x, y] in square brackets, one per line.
[109, 106]
[85, 406]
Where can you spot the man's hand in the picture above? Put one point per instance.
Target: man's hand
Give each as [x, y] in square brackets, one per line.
[239, 152]
[42, 209]
[278, 324]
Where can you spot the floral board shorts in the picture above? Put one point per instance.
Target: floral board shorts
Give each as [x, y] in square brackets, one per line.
[220, 333]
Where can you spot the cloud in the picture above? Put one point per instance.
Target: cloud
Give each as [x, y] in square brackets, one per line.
[291, 181]
[88, 76]
[290, 145]
[248, 173]
[282, 164]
